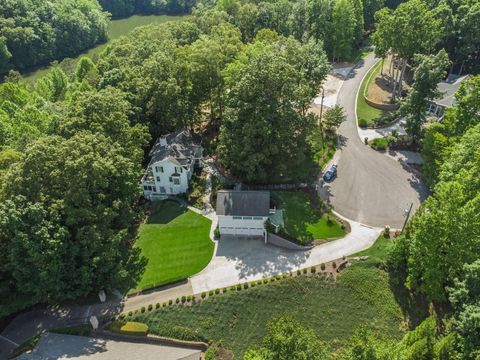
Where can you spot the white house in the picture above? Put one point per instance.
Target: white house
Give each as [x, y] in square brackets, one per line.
[173, 159]
[243, 212]
[447, 89]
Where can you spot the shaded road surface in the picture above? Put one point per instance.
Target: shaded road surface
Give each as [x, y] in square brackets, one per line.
[371, 188]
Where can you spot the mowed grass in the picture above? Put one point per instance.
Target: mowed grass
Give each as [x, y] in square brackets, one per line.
[176, 243]
[360, 297]
[364, 111]
[302, 221]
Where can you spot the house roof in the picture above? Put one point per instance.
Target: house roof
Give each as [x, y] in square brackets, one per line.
[243, 203]
[448, 88]
[181, 147]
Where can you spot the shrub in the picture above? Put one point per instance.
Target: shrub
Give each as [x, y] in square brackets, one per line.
[363, 123]
[334, 264]
[239, 287]
[253, 283]
[232, 288]
[379, 144]
[313, 270]
[210, 293]
[304, 271]
[184, 299]
[136, 311]
[272, 279]
[344, 257]
[299, 272]
[150, 307]
[224, 290]
[189, 298]
[216, 233]
[285, 276]
[322, 266]
[217, 291]
[129, 327]
[130, 313]
[142, 309]
[177, 300]
[259, 282]
[265, 281]
[157, 305]
[122, 316]
[203, 295]
[170, 302]
[245, 286]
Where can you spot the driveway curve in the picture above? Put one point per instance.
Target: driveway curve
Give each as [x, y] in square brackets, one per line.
[371, 188]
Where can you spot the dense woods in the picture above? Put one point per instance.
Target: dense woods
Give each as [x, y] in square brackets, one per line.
[34, 32]
[72, 145]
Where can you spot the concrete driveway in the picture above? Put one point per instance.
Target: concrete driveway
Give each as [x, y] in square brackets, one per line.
[371, 188]
[59, 346]
[240, 259]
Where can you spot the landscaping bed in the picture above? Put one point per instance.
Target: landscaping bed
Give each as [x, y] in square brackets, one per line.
[334, 306]
[303, 221]
[176, 243]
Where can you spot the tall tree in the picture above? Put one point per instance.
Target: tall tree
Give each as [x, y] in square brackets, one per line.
[430, 70]
[287, 340]
[344, 24]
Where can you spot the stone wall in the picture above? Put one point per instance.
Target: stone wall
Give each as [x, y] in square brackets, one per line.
[284, 243]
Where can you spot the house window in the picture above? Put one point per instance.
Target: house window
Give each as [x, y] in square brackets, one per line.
[145, 188]
[257, 218]
[162, 190]
[247, 218]
[170, 179]
[154, 188]
[158, 178]
[176, 181]
[159, 169]
[237, 218]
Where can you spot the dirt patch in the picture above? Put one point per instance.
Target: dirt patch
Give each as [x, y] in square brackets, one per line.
[380, 88]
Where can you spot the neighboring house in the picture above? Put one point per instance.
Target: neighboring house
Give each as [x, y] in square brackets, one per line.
[173, 160]
[243, 212]
[447, 88]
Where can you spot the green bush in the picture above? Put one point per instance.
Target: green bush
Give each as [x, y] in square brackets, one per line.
[363, 123]
[322, 266]
[130, 313]
[122, 316]
[299, 272]
[157, 306]
[129, 327]
[150, 307]
[232, 288]
[210, 293]
[265, 281]
[203, 295]
[259, 282]
[177, 300]
[379, 144]
[216, 233]
[304, 271]
[245, 286]
[184, 299]
[142, 309]
[334, 264]
[313, 270]
[224, 290]
[239, 287]
[170, 302]
[272, 279]
[189, 298]
[253, 283]
[217, 291]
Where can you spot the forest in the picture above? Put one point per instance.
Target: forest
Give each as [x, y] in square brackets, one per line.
[72, 146]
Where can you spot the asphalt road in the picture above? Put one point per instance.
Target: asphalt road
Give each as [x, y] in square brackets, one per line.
[371, 187]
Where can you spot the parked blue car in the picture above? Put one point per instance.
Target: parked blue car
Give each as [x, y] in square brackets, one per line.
[331, 173]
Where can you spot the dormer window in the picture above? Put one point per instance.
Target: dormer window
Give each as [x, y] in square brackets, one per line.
[159, 169]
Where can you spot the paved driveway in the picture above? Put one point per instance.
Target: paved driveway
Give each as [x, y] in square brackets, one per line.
[58, 346]
[371, 188]
[240, 260]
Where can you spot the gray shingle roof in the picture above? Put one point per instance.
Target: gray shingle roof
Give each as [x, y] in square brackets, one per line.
[181, 147]
[243, 203]
[448, 88]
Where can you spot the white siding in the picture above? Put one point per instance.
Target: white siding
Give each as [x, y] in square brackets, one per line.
[241, 225]
[165, 183]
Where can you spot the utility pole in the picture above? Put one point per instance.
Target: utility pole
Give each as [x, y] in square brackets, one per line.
[321, 104]
[407, 216]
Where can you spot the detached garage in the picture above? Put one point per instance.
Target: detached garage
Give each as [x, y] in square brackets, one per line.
[243, 212]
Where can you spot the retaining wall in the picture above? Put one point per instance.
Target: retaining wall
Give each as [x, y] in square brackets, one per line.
[284, 243]
[381, 106]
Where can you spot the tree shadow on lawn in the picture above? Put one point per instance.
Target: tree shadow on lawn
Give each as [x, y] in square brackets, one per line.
[165, 211]
[415, 307]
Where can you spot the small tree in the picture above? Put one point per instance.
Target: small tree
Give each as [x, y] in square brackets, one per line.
[334, 117]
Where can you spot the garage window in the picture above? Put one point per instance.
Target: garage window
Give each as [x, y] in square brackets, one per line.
[237, 218]
[257, 218]
[247, 218]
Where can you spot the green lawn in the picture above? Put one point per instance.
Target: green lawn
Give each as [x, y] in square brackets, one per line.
[176, 243]
[361, 296]
[365, 111]
[302, 221]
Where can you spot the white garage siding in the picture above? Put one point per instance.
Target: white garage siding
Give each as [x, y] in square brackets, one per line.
[241, 225]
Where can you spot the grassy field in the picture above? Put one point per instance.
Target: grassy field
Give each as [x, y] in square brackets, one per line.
[176, 243]
[365, 111]
[302, 221]
[360, 296]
